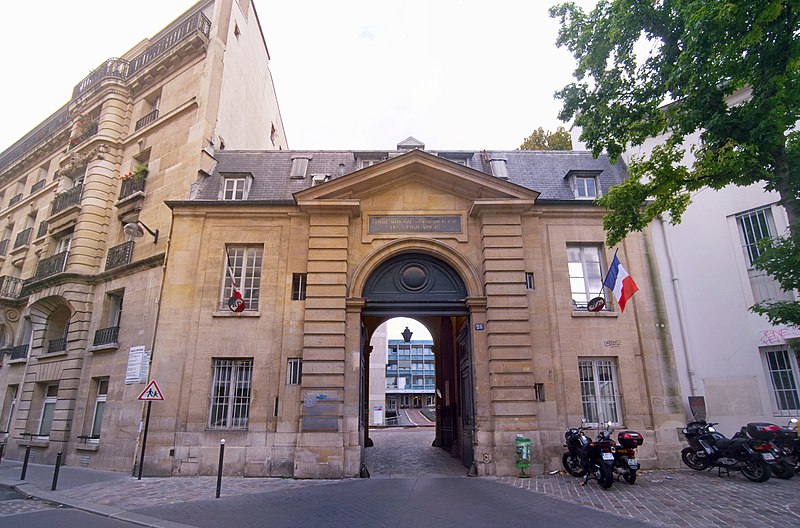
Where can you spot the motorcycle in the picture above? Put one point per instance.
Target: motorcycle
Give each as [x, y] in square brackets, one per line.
[589, 459]
[708, 448]
[762, 438]
[625, 463]
[788, 442]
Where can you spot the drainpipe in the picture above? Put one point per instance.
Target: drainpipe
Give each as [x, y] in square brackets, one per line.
[687, 356]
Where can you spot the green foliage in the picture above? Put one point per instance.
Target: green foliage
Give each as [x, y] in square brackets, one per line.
[546, 140]
[782, 261]
[722, 75]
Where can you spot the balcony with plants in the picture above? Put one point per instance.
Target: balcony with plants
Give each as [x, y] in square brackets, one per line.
[131, 192]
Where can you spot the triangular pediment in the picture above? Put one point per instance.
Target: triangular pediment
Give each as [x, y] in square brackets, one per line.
[422, 168]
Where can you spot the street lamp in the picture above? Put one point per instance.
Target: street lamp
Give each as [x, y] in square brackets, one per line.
[407, 335]
[134, 229]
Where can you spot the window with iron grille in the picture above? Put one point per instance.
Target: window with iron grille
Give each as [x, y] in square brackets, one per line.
[230, 394]
[756, 229]
[299, 281]
[783, 376]
[242, 267]
[294, 371]
[585, 273]
[600, 396]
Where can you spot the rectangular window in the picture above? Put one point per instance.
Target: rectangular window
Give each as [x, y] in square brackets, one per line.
[783, 375]
[230, 394]
[99, 407]
[299, 168]
[299, 286]
[234, 189]
[585, 187]
[599, 394]
[48, 410]
[756, 227]
[243, 267]
[529, 282]
[294, 371]
[585, 274]
[11, 404]
[499, 168]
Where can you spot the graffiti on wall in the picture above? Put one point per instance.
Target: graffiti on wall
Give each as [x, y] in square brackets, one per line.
[778, 335]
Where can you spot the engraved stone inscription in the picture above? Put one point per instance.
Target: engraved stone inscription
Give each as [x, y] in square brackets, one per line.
[414, 224]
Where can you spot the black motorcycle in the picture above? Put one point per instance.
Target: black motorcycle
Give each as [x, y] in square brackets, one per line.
[762, 438]
[708, 449]
[625, 463]
[589, 459]
[788, 441]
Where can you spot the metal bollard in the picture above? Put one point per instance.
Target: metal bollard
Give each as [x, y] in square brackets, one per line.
[25, 462]
[55, 473]
[219, 471]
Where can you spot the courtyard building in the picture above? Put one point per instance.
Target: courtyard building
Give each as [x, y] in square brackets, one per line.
[85, 230]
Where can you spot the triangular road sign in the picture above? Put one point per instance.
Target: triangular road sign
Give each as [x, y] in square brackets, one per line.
[151, 392]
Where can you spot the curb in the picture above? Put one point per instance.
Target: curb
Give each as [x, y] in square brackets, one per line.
[31, 491]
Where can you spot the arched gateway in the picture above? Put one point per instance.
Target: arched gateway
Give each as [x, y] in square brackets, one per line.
[420, 285]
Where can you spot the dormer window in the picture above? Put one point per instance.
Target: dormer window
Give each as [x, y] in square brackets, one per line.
[317, 179]
[369, 162]
[584, 184]
[299, 168]
[235, 186]
[499, 167]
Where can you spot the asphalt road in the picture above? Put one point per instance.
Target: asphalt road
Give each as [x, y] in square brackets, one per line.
[61, 518]
[424, 502]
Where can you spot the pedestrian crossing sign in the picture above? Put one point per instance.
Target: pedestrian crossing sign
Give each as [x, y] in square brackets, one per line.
[151, 392]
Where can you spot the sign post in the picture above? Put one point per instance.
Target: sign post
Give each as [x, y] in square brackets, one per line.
[150, 394]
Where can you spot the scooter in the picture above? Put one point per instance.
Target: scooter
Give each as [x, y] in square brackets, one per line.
[708, 448]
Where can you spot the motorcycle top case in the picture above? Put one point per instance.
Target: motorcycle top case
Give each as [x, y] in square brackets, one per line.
[763, 431]
[630, 439]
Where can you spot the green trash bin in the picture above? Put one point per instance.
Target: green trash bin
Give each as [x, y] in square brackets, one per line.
[523, 455]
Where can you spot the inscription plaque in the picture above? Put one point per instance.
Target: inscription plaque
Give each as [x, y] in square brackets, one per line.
[414, 224]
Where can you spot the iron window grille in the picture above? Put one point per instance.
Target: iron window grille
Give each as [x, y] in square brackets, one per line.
[600, 397]
[230, 394]
[294, 371]
[783, 375]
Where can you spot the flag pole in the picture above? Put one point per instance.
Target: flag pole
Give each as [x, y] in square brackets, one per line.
[607, 272]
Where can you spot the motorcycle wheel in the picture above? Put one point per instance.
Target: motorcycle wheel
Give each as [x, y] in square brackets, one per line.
[604, 475]
[782, 470]
[630, 476]
[690, 458]
[572, 464]
[757, 471]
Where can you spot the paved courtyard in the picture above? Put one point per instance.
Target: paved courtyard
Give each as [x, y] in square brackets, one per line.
[411, 482]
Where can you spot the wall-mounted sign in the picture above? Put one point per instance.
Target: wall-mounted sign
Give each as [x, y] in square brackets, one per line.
[479, 327]
[596, 304]
[138, 365]
[414, 224]
[236, 303]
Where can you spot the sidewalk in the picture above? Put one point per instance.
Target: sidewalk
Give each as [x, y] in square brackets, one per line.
[116, 495]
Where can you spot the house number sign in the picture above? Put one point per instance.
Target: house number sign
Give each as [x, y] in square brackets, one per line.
[414, 224]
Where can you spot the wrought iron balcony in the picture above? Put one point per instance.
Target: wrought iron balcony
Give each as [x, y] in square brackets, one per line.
[57, 345]
[38, 185]
[43, 225]
[23, 238]
[36, 137]
[10, 287]
[19, 352]
[4, 246]
[146, 120]
[106, 336]
[130, 186]
[181, 30]
[119, 255]
[83, 136]
[51, 266]
[66, 199]
[110, 69]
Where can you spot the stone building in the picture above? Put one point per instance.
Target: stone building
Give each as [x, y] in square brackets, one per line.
[283, 264]
[136, 131]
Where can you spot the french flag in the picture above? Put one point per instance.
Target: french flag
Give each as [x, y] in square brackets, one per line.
[620, 283]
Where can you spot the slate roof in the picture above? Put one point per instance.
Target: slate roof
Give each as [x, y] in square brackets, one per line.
[542, 171]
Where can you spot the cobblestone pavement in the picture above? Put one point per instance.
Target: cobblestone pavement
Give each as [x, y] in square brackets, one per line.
[681, 498]
[12, 503]
[403, 452]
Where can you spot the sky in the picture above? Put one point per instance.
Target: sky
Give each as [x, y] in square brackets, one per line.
[455, 74]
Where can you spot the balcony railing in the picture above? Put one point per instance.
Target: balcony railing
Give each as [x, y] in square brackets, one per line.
[66, 199]
[4, 246]
[38, 185]
[36, 137]
[43, 225]
[19, 352]
[51, 266]
[185, 28]
[83, 136]
[23, 238]
[57, 345]
[146, 120]
[106, 336]
[111, 69]
[10, 287]
[130, 186]
[119, 255]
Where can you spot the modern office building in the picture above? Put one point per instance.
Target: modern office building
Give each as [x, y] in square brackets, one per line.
[85, 231]
[410, 375]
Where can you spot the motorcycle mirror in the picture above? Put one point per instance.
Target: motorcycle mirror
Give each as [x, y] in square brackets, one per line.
[711, 429]
[793, 420]
[608, 423]
[583, 420]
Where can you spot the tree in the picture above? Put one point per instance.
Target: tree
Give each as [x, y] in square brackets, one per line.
[546, 140]
[633, 56]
